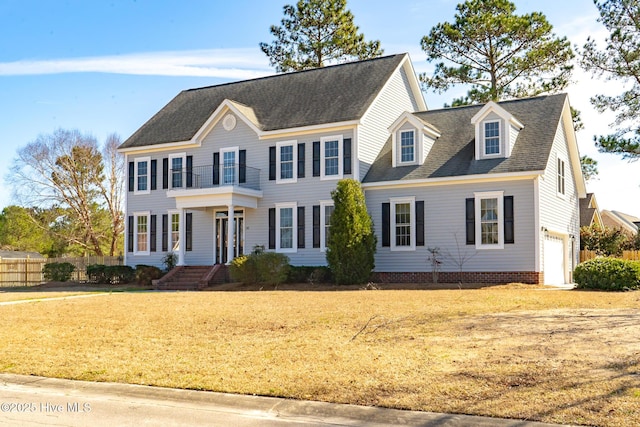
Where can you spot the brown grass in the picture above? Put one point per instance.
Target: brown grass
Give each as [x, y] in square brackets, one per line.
[554, 356]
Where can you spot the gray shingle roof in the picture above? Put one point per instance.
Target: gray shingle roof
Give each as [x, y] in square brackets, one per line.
[453, 153]
[325, 95]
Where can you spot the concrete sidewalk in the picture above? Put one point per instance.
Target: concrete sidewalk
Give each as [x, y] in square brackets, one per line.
[36, 401]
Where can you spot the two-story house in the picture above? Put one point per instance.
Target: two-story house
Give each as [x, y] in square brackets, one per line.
[222, 169]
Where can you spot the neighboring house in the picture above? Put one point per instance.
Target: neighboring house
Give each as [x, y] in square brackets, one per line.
[589, 212]
[615, 219]
[8, 254]
[225, 168]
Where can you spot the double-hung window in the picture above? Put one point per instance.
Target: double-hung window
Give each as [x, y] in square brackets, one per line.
[326, 210]
[287, 154]
[174, 235]
[489, 220]
[143, 175]
[561, 178]
[403, 217]
[177, 170]
[229, 165]
[407, 146]
[287, 224]
[491, 138]
[141, 235]
[331, 157]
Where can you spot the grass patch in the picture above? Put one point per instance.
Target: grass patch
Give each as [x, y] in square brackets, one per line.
[553, 356]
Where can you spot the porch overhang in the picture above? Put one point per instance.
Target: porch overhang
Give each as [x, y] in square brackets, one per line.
[217, 196]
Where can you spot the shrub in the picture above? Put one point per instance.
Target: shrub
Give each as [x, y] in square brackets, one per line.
[169, 260]
[146, 273]
[307, 274]
[260, 267]
[112, 274]
[58, 271]
[351, 244]
[608, 274]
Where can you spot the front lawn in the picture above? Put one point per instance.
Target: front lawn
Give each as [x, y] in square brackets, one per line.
[555, 356]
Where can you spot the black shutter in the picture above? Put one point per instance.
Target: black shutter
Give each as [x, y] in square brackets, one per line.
[130, 234]
[346, 153]
[189, 171]
[152, 234]
[508, 220]
[272, 228]
[386, 224]
[216, 168]
[316, 226]
[131, 175]
[165, 173]
[420, 223]
[242, 166]
[301, 227]
[301, 160]
[470, 216]
[272, 163]
[165, 232]
[154, 172]
[188, 228]
[316, 158]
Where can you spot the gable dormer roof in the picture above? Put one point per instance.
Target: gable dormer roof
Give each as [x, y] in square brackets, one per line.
[334, 94]
[493, 107]
[453, 154]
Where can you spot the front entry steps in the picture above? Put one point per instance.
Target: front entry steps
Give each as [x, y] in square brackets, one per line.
[192, 277]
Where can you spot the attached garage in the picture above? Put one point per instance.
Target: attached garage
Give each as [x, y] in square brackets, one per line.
[554, 260]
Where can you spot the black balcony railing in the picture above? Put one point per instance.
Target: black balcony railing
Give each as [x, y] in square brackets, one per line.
[210, 176]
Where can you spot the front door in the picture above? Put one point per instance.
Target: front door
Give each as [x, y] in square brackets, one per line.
[222, 236]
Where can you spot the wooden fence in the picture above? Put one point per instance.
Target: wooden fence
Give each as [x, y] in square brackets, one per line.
[28, 271]
[586, 255]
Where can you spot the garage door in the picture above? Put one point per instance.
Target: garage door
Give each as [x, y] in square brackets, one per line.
[554, 260]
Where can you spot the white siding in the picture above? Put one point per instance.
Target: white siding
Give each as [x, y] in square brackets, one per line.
[445, 222]
[395, 98]
[559, 215]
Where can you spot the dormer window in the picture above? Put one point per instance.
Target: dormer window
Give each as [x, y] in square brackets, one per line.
[496, 131]
[407, 147]
[492, 138]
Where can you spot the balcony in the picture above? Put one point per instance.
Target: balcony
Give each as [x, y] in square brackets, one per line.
[224, 185]
[213, 176]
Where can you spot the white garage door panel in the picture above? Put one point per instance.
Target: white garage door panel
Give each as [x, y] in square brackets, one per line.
[554, 260]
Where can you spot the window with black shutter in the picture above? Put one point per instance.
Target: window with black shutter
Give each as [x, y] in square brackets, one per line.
[165, 173]
[130, 233]
[420, 223]
[301, 160]
[301, 227]
[188, 228]
[189, 171]
[470, 214]
[154, 173]
[272, 228]
[508, 220]
[346, 152]
[386, 224]
[132, 176]
[242, 166]
[216, 168]
[272, 163]
[165, 232]
[316, 158]
[316, 226]
[152, 234]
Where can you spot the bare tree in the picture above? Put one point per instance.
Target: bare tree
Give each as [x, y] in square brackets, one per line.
[112, 188]
[66, 169]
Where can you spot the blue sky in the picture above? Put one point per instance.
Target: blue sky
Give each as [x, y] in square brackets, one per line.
[108, 66]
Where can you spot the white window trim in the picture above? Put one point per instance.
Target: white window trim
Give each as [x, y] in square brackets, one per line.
[170, 242]
[340, 157]
[499, 195]
[236, 174]
[137, 215]
[399, 148]
[183, 156]
[402, 200]
[323, 230]
[500, 152]
[294, 213]
[135, 185]
[279, 146]
[564, 176]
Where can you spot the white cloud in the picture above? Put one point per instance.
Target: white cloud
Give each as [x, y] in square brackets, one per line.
[221, 63]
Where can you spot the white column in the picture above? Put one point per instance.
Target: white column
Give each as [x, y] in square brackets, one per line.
[231, 234]
[183, 239]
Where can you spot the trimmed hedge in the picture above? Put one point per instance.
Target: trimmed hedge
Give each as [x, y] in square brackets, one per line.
[608, 274]
[309, 274]
[58, 271]
[112, 274]
[145, 274]
[269, 268]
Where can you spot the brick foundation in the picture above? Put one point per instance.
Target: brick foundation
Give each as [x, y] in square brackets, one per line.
[492, 277]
